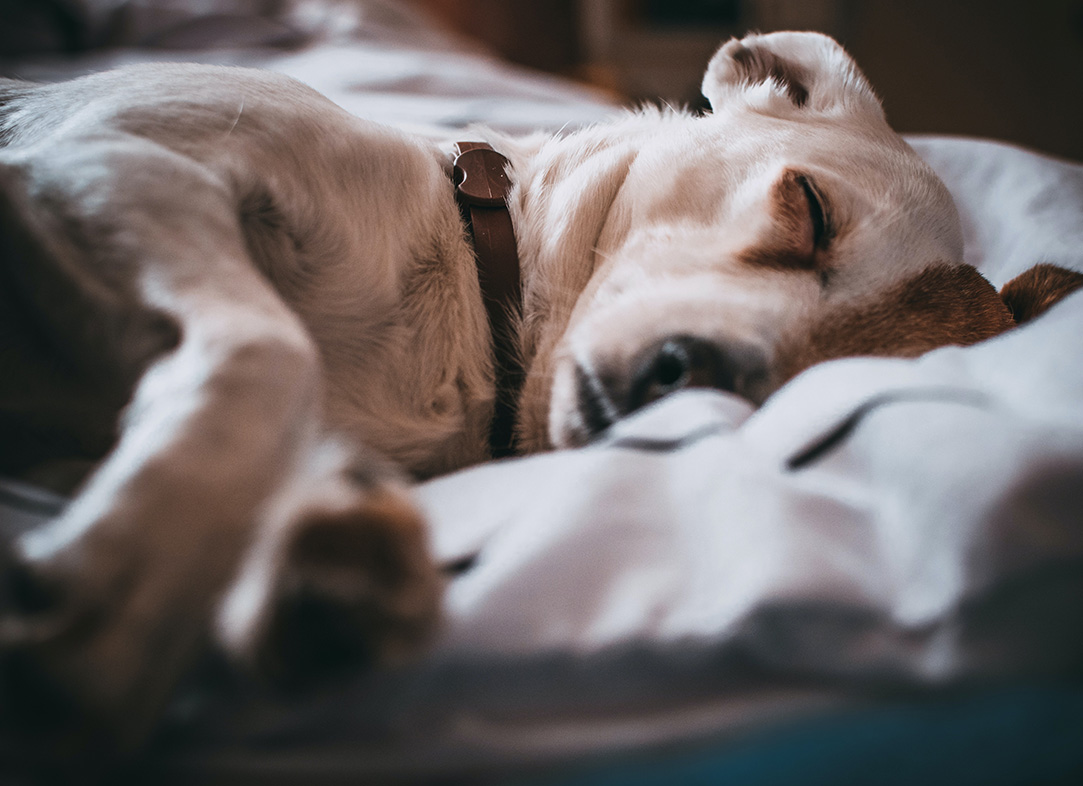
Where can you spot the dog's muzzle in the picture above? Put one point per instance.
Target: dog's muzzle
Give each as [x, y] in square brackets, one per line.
[605, 393]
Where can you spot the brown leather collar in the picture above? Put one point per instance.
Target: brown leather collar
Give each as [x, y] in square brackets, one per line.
[481, 189]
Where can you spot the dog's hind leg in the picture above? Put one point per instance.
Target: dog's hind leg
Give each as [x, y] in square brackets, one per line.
[116, 594]
[117, 591]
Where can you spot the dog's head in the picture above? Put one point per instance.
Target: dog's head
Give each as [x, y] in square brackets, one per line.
[788, 226]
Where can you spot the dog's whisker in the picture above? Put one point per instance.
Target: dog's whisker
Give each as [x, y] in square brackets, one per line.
[237, 119]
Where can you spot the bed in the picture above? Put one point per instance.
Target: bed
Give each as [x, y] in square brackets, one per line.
[877, 577]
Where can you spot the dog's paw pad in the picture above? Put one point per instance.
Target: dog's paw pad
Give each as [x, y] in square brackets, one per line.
[358, 586]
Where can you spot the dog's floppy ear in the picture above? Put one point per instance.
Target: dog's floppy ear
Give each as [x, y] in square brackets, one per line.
[784, 73]
[1032, 293]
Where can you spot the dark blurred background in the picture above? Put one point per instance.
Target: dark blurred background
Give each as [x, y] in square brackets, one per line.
[1009, 70]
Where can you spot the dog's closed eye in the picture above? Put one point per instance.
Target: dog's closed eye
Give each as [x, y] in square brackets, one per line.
[820, 227]
[800, 230]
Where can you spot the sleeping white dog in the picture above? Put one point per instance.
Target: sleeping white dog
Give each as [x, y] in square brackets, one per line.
[250, 315]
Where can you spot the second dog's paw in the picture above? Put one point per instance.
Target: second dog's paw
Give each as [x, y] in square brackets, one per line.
[354, 585]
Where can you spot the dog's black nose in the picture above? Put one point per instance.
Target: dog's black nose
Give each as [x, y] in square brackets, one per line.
[665, 367]
[688, 362]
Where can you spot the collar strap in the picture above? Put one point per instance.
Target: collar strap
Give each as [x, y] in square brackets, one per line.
[481, 189]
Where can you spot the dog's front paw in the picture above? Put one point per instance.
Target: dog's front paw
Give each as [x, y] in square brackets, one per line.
[349, 585]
